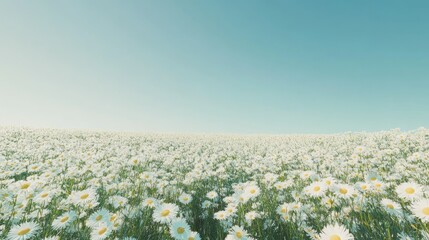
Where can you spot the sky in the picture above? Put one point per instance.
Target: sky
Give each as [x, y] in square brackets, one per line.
[242, 66]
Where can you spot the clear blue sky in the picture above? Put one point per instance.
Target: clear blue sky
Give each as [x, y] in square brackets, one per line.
[215, 66]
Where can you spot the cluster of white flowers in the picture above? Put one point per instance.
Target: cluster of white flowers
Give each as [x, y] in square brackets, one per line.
[95, 185]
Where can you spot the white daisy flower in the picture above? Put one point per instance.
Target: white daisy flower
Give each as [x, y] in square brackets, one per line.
[164, 213]
[23, 231]
[335, 232]
[179, 229]
[237, 233]
[409, 190]
[185, 198]
[315, 189]
[101, 231]
[64, 220]
[420, 209]
[212, 195]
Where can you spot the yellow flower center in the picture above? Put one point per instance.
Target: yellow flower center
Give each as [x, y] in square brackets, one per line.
[149, 202]
[102, 231]
[99, 217]
[343, 191]
[84, 196]
[64, 219]
[252, 191]
[335, 237]
[373, 178]
[25, 186]
[165, 213]
[238, 234]
[44, 195]
[390, 206]
[113, 218]
[23, 231]
[34, 167]
[363, 187]
[316, 188]
[283, 210]
[426, 211]
[180, 230]
[409, 190]
[191, 238]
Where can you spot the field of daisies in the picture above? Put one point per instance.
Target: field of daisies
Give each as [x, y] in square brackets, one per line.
[57, 184]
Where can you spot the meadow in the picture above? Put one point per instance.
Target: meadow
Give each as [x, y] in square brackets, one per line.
[60, 184]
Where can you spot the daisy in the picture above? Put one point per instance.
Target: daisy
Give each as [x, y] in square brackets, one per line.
[283, 209]
[150, 202]
[295, 206]
[118, 201]
[212, 195]
[243, 198]
[25, 187]
[409, 190]
[285, 217]
[33, 168]
[390, 206]
[64, 220]
[165, 213]
[250, 216]
[335, 232]
[221, 215]
[344, 191]
[83, 198]
[185, 198]
[329, 182]
[420, 209]
[206, 204]
[378, 186]
[97, 217]
[328, 201]
[372, 176]
[270, 178]
[363, 186]
[101, 231]
[231, 209]
[44, 197]
[316, 189]
[194, 236]
[179, 229]
[23, 231]
[359, 149]
[134, 161]
[306, 175]
[237, 233]
[116, 222]
[252, 191]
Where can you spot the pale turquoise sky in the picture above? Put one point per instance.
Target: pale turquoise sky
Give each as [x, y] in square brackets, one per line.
[215, 66]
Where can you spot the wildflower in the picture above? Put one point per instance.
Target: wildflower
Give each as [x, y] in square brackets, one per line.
[335, 232]
[23, 231]
[165, 213]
